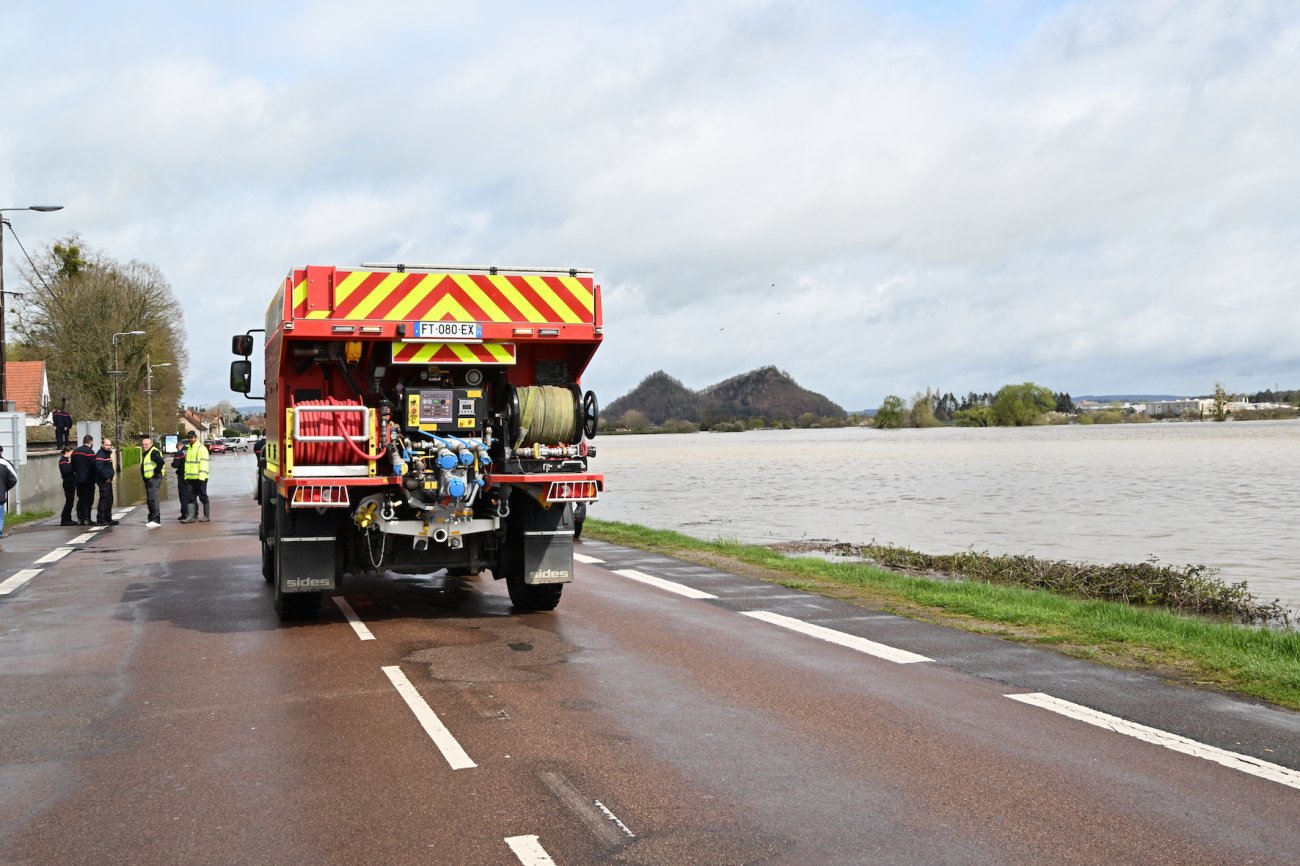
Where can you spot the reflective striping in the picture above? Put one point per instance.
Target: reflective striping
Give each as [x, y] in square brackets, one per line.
[587, 560]
[680, 589]
[353, 620]
[1232, 760]
[398, 296]
[18, 579]
[54, 555]
[861, 644]
[405, 352]
[429, 720]
[529, 851]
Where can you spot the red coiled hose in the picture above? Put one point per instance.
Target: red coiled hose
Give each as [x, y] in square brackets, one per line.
[346, 424]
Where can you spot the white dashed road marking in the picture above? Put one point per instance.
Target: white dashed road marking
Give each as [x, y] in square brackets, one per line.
[589, 560]
[357, 625]
[18, 579]
[680, 589]
[429, 720]
[861, 644]
[1244, 763]
[529, 851]
[54, 555]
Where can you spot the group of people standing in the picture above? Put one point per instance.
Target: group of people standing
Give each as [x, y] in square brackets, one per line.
[84, 469]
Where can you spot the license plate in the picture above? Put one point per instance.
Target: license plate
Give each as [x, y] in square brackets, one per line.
[464, 331]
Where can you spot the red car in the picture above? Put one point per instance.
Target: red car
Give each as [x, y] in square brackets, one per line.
[216, 446]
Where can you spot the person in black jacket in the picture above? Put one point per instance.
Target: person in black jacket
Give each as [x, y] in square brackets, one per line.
[182, 489]
[104, 478]
[69, 486]
[83, 475]
[62, 429]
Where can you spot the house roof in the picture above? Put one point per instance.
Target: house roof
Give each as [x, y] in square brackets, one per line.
[25, 385]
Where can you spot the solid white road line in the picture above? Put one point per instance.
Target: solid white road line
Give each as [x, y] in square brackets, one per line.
[589, 560]
[18, 579]
[428, 719]
[680, 589]
[529, 851]
[357, 625]
[861, 644]
[53, 556]
[1244, 763]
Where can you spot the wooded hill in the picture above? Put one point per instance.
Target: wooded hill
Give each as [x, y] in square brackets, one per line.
[766, 393]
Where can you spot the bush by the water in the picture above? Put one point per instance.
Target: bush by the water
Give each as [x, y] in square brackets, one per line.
[1187, 589]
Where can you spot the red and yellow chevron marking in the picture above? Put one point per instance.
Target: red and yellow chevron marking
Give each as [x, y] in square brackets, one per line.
[394, 297]
[453, 353]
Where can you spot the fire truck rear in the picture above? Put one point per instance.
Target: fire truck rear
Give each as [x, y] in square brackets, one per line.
[422, 417]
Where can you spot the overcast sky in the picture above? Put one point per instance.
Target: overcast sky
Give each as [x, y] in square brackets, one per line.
[875, 196]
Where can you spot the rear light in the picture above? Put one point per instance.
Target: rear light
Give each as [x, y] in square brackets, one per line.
[572, 491]
[342, 329]
[320, 496]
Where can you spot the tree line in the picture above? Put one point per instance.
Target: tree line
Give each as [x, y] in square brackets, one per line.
[76, 299]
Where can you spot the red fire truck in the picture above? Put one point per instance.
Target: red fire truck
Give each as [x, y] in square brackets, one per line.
[422, 417]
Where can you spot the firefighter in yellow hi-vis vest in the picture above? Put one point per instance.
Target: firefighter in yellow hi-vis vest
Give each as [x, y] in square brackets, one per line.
[196, 479]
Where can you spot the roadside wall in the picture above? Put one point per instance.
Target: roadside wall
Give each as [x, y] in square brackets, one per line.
[40, 486]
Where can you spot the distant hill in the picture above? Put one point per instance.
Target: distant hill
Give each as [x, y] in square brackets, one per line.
[659, 397]
[766, 392]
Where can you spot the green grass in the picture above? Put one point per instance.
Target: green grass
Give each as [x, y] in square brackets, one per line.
[12, 519]
[1259, 662]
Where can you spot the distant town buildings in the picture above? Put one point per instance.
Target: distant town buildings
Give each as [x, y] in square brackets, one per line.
[1189, 407]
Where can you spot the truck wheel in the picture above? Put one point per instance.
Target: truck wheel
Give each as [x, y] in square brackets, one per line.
[264, 531]
[297, 605]
[541, 596]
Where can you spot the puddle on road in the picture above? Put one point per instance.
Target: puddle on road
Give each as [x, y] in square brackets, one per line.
[492, 652]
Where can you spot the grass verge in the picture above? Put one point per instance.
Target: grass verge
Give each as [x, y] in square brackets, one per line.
[12, 519]
[1262, 663]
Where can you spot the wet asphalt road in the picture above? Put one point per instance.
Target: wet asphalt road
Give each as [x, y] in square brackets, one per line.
[153, 710]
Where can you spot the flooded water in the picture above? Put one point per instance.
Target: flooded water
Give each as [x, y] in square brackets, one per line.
[1224, 495]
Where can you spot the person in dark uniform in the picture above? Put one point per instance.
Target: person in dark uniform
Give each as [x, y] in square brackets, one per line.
[104, 478]
[182, 489]
[83, 475]
[62, 428]
[69, 485]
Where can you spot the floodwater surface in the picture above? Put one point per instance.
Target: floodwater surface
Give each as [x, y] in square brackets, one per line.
[1226, 495]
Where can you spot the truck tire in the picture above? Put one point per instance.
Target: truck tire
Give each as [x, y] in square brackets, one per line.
[265, 528]
[524, 596]
[544, 596]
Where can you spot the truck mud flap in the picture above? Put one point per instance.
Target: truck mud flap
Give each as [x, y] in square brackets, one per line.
[548, 546]
[306, 564]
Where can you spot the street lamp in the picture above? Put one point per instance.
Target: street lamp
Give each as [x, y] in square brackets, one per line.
[117, 416]
[148, 386]
[43, 208]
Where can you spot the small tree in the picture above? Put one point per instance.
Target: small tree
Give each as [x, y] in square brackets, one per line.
[1022, 405]
[890, 414]
[1220, 402]
[636, 421]
[922, 412]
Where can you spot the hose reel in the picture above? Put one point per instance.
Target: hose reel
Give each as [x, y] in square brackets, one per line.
[549, 414]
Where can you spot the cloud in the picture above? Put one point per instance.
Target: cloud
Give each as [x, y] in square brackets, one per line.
[1096, 196]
